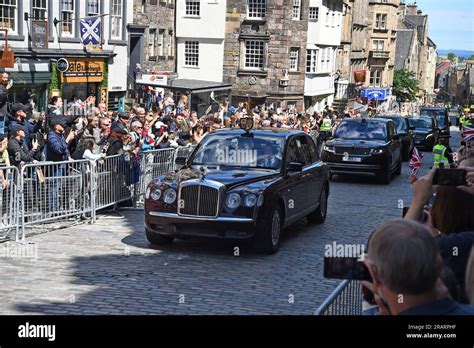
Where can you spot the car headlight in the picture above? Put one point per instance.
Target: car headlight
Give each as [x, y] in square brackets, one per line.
[250, 200]
[328, 148]
[377, 151]
[156, 194]
[169, 196]
[232, 200]
[147, 193]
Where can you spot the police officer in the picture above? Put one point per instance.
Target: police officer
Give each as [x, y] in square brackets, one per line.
[443, 155]
[325, 126]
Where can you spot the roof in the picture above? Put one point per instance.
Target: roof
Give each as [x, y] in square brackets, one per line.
[276, 132]
[194, 85]
[418, 22]
[431, 42]
[404, 43]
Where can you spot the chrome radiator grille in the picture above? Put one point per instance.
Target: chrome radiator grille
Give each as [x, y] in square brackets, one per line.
[199, 199]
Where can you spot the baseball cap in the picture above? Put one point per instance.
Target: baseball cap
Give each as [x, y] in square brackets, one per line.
[14, 129]
[56, 121]
[18, 107]
[124, 115]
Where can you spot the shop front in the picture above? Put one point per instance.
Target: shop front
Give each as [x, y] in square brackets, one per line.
[31, 79]
[83, 77]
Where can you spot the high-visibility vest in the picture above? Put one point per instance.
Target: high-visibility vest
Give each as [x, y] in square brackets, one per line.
[439, 152]
[326, 125]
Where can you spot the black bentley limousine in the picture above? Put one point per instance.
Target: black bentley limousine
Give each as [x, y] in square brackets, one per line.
[240, 184]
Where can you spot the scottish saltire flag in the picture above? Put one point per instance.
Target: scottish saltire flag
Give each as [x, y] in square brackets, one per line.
[468, 133]
[91, 31]
[416, 161]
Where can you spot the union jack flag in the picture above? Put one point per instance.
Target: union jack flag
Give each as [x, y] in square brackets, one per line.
[416, 161]
[468, 133]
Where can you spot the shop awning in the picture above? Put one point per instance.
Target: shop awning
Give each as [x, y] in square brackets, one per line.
[190, 86]
[26, 72]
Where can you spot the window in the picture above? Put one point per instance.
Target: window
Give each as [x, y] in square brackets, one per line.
[296, 9]
[161, 40]
[311, 61]
[116, 19]
[151, 42]
[193, 8]
[143, 8]
[313, 13]
[40, 9]
[8, 14]
[254, 54]
[376, 78]
[171, 44]
[294, 54]
[380, 21]
[191, 53]
[93, 8]
[67, 12]
[377, 45]
[256, 8]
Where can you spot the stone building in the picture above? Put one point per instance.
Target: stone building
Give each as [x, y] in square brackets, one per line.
[416, 52]
[265, 51]
[352, 53]
[153, 45]
[383, 24]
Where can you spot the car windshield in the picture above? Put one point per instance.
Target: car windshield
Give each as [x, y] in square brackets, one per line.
[400, 124]
[235, 150]
[420, 122]
[438, 114]
[365, 130]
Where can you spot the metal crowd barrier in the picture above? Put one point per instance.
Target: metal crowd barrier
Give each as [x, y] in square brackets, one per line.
[346, 299]
[9, 200]
[49, 192]
[54, 190]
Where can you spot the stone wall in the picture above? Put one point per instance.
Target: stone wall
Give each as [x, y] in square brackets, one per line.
[158, 15]
[281, 33]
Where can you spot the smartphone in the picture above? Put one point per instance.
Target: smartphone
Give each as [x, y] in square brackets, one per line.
[424, 214]
[345, 268]
[450, 177]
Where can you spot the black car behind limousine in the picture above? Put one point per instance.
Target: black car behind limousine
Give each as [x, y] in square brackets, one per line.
[367, 146]
[240, 185]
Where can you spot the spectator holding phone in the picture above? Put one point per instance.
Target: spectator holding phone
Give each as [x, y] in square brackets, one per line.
[451, 221]
[405, 267]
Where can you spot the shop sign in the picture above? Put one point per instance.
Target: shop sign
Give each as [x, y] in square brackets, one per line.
[152, 79]
[39, 34]
[83, 70]
[63, 64]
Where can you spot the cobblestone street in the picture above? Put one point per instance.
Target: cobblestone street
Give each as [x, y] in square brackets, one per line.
[110, 268]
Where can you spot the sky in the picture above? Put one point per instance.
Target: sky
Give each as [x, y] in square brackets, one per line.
[451, 22]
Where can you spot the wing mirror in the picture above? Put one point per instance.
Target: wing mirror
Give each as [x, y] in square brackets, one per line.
[396, 137]
[294, 167]
[412, 128]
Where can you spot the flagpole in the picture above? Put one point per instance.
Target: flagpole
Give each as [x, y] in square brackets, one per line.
[56, 21]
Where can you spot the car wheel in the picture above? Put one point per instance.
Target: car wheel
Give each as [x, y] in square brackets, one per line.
[385, 176]
[268, 237]
[318, 216]
[158, 239]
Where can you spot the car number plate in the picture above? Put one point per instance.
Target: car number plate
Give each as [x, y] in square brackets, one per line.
[352, 159]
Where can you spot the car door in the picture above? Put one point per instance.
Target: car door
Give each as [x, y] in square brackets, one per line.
[395, 145]
[316, 172]
[295, 193]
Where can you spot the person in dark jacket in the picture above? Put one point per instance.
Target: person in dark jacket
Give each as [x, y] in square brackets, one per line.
[57, 148]
[17, 149]
[115, 141]
[18, 117]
